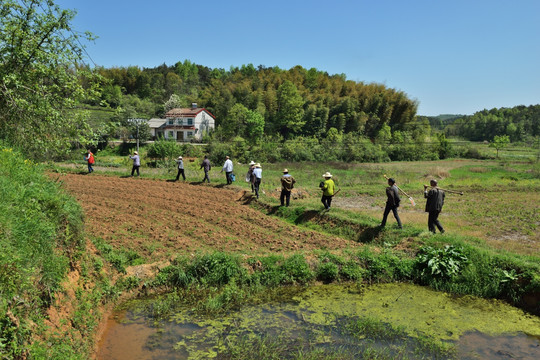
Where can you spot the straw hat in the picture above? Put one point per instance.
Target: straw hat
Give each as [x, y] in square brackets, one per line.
[136, 153]
[251, 163]
[327, 175]
[179, 158]
[285, 170]
[257, 165]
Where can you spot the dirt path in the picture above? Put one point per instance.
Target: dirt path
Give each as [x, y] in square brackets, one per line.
[158, 219]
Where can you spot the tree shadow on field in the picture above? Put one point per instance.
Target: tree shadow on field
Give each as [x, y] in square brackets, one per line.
[125, 176]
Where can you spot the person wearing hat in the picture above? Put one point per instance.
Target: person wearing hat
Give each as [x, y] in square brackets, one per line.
[434, 205]
[257, 174]
[136, 163]
[249, 176]
[287, 184]
[180, 169]
[328, 188]
[228, 168]
[392, 203]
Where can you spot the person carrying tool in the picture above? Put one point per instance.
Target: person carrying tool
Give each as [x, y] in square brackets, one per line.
[206, 166]
[328, 188]
[287, 184]
[180, 169]
[392, 203]
[434, 205]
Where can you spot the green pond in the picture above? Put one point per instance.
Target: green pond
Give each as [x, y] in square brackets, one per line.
[388, 321]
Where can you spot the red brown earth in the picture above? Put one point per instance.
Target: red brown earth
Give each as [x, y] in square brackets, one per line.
[159, 219]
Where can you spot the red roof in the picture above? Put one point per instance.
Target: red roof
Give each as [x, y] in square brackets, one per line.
[186, 112]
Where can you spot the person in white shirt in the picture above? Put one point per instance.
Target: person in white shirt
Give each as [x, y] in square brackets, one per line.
[180, 169]
[257, 172]
[136, 163]
[228, 168]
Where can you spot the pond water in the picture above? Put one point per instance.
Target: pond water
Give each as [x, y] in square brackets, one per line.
[342, 321]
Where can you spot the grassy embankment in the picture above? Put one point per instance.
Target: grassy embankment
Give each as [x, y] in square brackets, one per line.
[51, 287]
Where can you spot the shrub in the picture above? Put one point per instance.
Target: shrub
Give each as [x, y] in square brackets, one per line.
[440, 263]
[327, 272]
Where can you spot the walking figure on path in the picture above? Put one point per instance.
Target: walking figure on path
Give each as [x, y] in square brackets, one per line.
[90, 160]
[180, 169]
[434, 205]
[257, 173]
[228, 168]
[392, 203]
[287, 184]
[136, 163]
[206, 166]
[328, 187]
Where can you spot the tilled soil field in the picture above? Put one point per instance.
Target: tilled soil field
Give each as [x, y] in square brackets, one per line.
[158, 219]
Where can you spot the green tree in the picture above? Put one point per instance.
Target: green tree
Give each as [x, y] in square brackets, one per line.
[254, 126]
[290, 114]
[500, 142]
[40, 80]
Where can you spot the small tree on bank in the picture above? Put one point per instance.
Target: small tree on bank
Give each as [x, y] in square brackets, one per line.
[499, 142]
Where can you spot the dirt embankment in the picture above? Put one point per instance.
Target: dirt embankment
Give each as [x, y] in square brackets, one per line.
[158, 219]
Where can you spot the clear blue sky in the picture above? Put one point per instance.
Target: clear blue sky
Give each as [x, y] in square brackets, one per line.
[454, 57]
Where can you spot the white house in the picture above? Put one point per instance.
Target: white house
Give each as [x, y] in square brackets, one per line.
[183, 124]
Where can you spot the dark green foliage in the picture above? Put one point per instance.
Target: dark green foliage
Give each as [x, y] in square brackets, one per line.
[440, 263]
[327, 272]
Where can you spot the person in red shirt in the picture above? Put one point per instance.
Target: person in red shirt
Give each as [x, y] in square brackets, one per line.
[90, 159]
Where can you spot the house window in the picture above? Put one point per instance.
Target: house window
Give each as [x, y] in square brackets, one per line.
[171, 122]
[170, 135]
[179, 121]
[190, 134]
[190, 121]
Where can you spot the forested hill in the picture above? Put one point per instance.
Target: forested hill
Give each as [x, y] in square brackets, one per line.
[292, 102]
[518, 123]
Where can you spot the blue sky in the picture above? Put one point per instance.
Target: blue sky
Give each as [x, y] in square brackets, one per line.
[453, 57]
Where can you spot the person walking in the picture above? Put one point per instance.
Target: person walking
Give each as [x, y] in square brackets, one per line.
[228, 168]
[328, 187]
[392, 203]
[257, 174]
[180, 169]
[434, 205]
[89, 157]
[249, 176]
[206, 166]
[287, 184]
[136, 163]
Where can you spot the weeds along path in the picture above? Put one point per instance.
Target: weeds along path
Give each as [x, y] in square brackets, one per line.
[158, 219]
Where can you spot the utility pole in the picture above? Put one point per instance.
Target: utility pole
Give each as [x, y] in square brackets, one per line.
[137, 123]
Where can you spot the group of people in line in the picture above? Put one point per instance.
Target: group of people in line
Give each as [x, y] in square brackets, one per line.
[434, 196]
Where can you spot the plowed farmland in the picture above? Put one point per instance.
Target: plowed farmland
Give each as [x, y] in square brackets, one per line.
[159, 218]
